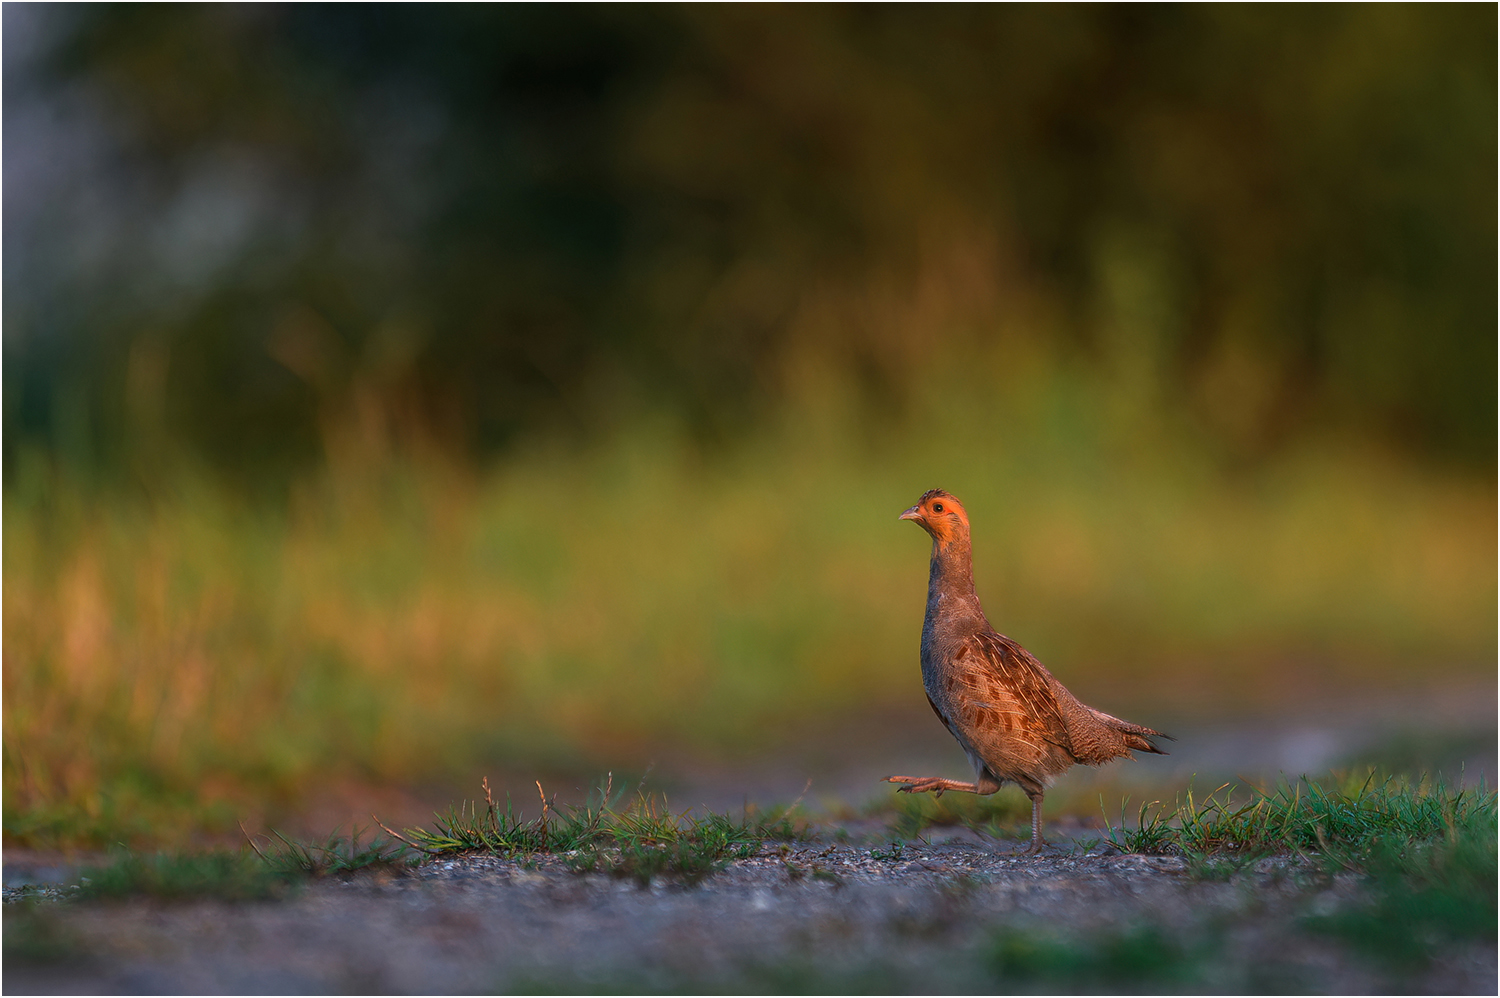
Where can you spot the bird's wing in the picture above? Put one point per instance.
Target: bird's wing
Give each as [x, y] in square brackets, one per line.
[1004, 690]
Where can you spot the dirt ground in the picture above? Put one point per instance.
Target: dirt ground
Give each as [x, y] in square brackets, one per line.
[956, 914]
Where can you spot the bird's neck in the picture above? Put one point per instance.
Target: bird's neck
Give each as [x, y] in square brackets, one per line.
[950, 584]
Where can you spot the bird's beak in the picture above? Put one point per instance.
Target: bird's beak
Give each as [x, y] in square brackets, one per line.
[915, 513]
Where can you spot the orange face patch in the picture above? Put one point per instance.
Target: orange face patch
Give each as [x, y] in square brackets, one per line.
[940, 514]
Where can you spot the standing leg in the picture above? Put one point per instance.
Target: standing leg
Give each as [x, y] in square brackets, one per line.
[1036, 823]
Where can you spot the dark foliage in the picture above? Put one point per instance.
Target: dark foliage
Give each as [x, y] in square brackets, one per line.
[232, 221]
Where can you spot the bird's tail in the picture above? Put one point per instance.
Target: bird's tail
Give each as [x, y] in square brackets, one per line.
[1135, 736]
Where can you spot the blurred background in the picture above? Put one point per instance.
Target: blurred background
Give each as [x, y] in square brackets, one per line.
[399, 395]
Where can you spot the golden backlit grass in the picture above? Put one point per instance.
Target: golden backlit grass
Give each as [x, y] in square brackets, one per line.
[173, 651]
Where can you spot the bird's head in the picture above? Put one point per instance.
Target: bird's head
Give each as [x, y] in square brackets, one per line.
[941, 515]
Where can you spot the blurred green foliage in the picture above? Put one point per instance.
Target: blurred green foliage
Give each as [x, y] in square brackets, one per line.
[175, 651]
[509, 219]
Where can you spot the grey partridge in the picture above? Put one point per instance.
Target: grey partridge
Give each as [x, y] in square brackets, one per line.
[1014, 721]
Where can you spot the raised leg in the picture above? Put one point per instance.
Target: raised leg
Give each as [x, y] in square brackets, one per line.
[934, 785]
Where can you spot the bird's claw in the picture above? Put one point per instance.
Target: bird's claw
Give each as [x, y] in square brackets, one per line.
[909, 785]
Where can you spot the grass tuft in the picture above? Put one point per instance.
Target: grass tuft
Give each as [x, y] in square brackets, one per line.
[1424, 891]
[1425, 852]
[642, 840]
[335, 856]
[1342, 821]
[255, 874]
[226, 876]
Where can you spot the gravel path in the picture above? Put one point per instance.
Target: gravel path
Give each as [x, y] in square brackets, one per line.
[961, 915]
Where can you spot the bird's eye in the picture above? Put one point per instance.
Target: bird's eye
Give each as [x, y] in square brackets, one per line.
[937, 507]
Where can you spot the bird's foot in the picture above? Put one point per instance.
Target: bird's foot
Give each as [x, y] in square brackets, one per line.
[934, 785]
[1032, 848]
